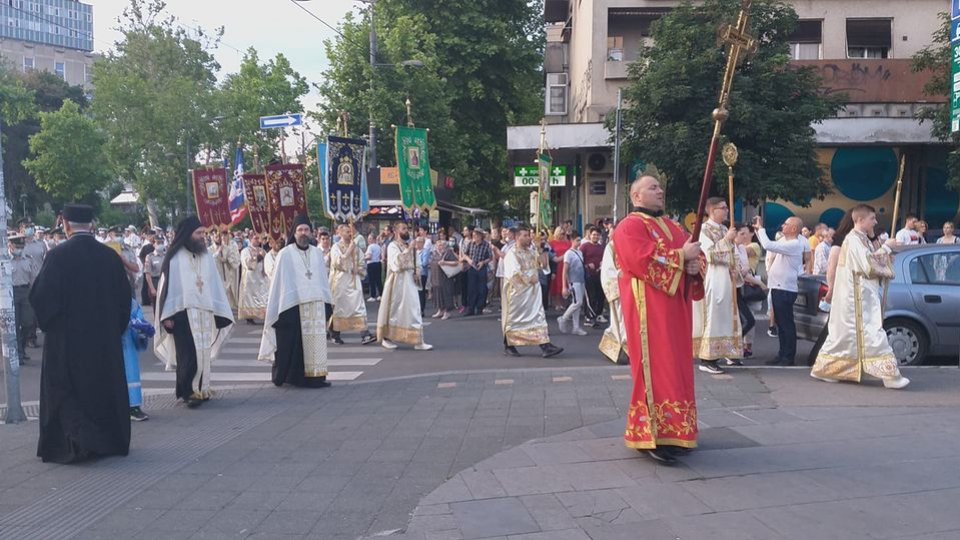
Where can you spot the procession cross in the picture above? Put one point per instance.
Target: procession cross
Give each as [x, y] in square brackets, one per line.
[738, 42]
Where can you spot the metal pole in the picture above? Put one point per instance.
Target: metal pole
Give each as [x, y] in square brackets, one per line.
[8, 318]
[373, 67]
[616, 159]
[190, 206]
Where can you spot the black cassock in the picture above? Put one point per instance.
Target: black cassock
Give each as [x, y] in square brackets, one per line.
[82, 301]
[186, 350]
[288, 359]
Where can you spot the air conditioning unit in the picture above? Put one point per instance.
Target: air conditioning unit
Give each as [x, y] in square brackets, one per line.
[597, 162]
[556, 94]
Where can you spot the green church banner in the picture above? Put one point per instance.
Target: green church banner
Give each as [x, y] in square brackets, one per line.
[413, 165]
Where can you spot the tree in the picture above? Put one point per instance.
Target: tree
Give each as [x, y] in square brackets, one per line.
[937, 59]
[67, 155]
[155, 101]
[481, 60]
[674, 87]
[258, 90]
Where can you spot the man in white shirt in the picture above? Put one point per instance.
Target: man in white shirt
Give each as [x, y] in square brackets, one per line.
[908, 235]
[782, 277]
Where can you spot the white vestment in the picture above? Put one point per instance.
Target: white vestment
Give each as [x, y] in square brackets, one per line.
[613, 344]
[300, 279]
[270, 265]
[524, 322]
[227, 257]
[254, 286]
[399, 317]
[192, 284]
[856, 341]
[347, 269]
[716, 318]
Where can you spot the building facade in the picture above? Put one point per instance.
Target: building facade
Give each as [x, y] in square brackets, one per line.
[50, 35]
[860, 47]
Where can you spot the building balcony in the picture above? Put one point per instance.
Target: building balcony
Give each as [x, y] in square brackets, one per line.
[615, 70]
[874, 81]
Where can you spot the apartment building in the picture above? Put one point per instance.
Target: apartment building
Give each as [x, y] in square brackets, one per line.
[50, 35]
[860, 47]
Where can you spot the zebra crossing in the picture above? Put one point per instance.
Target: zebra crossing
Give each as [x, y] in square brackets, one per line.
[238, 364]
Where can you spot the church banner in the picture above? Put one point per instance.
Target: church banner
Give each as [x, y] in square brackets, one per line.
[211, 195]
[344, 178]
[288, 197]
[258, 201]
[413, 164]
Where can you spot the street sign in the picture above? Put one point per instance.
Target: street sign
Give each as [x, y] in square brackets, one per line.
[529, 177]
[281, 121]
[955, 69]
[955, 9]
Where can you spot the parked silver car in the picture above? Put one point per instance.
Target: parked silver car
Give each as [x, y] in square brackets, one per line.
[922, 316]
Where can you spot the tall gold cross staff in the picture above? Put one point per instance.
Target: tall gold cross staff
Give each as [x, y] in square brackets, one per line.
[739, 42]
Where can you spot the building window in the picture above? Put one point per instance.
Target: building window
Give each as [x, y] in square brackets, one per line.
[556, 94]
[806, 40]
[87, 74]
[615, 49]
[60, 69]
[27, 63]
[868, 38]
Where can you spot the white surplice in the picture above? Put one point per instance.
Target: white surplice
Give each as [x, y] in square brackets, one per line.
[270, 265]
[716, 318]
[524, 322]
[613, 344]
[347, 269]
[300, 279]
[227, 257]
[399, 317]
[192, 284]
[856, 341]
[254, 286]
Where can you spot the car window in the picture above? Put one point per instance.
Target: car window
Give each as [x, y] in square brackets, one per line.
[936, 268]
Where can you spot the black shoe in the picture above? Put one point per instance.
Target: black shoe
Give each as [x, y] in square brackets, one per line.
[623, 359]
[710, 367]
[779, 362]
[193, 403]
[510, 350]
[550, 350]
[251, 321]
[676, 451]
[661, 455]
[137, 415]
[368, 339]
[338, 340]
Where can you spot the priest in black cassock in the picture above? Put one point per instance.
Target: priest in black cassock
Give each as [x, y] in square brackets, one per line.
[194, 312]
[82, 301]
[295, 330]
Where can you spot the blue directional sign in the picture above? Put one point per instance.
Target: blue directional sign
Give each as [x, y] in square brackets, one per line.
[954, 9]
[281, 121]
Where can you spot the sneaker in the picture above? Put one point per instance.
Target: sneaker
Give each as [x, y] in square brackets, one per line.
[445, 316]
[710, 367]
[602, 320]
[338, 340]
[510, 350]
[896, 384]
[589, 322]
[371, 299]
[137, 415]
[548, 350]
[772, 331]
[423, 347]
[747, 353]
[436, 315]
[563, 324]
[387, 344]
[579, 332]
[367, 339]
[733, 362]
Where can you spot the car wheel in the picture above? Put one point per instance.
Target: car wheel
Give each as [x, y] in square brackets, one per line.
[908, 340]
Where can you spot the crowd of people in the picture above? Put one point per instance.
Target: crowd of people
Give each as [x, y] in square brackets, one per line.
[663, 297]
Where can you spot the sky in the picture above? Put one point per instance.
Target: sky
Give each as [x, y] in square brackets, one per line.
[270, 26]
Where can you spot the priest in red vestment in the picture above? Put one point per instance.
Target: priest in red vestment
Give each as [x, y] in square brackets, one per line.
[659, 280]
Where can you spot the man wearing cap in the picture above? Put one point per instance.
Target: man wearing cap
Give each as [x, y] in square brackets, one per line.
[24, 270]
[226, 255]
[194, 312]
[82, 300]
[295, 328]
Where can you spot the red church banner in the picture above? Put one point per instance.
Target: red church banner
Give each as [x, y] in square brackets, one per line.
[211, 195]
[288, 197]
[258, 201]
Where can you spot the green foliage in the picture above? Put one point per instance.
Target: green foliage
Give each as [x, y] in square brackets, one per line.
[936, 58]
[67, 155]
[16, 99]
[258, 90]
[481, 73]
[155, 100]
[674, 87]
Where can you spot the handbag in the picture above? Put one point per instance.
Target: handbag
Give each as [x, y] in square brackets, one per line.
[753, 293]
[451, 270]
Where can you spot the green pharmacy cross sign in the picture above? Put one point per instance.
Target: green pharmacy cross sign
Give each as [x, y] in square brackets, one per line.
[529, 177]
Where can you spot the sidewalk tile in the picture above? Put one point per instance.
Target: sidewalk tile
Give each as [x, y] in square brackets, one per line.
[724, 526]
[548, 512]
[482, 484]
[593, 475]
[531, 481]
[492, 517]
[651, 529]
[662, 500]
[587, 503]
[235, 522]
[181, 521]
[555, 453]
[568, 534]
[288, 522]
[127, 520]
[451, 491]
[759, 491]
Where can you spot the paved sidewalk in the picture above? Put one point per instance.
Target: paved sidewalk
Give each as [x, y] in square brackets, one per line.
[519, 454]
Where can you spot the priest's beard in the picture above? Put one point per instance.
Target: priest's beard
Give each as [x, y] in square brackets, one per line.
[196, 246]
[303, 242]
[405, 237]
